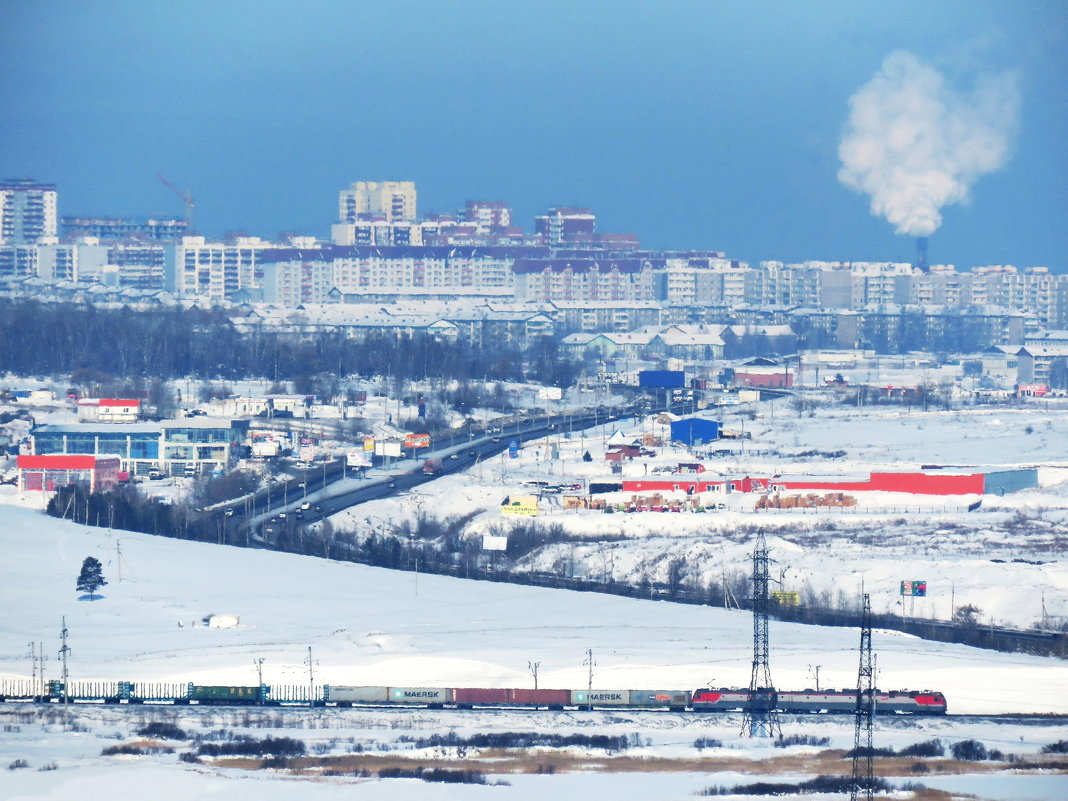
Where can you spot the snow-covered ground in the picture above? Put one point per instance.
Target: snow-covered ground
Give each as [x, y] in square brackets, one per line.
[372, 626]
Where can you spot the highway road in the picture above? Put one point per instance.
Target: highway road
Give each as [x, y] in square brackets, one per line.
[262, 515]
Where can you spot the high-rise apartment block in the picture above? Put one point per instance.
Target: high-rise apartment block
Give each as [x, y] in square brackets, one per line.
[27, 211]
[389, 201]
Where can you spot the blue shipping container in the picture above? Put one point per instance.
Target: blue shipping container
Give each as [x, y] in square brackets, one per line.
[665, 379]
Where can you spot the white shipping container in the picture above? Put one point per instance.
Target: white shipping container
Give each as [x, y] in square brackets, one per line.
[419, 695]
[357, 695]
[600, 697]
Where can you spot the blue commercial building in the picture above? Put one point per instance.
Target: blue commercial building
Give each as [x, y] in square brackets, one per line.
[174, 447]
[695, 431]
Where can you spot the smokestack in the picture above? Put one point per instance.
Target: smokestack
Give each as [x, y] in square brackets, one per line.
[921, 254]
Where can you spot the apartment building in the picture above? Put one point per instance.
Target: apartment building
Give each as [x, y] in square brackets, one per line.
[27, 211]
[215, 270]
[390, 201]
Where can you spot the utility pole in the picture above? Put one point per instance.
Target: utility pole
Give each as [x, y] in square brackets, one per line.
[760, 718]
[862, 785]
[311, 678]
[118, 558]
[63, 651]
[33, 664]
[259, 672]
[815, 669]
[589, 687]
[533, 666]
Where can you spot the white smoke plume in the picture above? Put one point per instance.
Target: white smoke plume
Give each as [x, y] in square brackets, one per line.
[914, 144]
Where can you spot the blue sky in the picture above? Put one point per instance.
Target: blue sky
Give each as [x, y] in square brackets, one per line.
[693, 124]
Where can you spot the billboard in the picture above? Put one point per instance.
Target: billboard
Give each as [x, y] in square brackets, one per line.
[388, 448]
[417, 441]
[358, 459]
[786, 598]
[369, 444]
[550, 393]
[916, 589]
[492, 543]
[520, 505]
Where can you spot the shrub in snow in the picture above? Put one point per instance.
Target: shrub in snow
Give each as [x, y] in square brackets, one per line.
[434, 775]
[18, 763]
[928, 748]
[1059, 747]
[801, 739]
[970, 750]
[707, 742]
[269, 746]
[164, 731]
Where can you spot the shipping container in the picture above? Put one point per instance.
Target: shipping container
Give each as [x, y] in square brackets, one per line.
[431, 696]
[356, 695]
[600, 697]
[550, 698]
[671, 698]
[481, 696]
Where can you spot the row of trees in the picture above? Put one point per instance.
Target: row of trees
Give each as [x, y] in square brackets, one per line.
[95, 344]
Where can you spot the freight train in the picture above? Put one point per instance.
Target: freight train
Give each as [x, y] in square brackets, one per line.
[724, 699]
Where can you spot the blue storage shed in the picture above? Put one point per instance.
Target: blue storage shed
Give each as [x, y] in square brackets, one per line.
[661, 379]
[695, 431]
[999, 482]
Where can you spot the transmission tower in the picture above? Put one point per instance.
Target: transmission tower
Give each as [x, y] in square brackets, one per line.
[761, 719]
[863, 784]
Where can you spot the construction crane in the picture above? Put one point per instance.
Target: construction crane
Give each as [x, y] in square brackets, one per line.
[187, 198]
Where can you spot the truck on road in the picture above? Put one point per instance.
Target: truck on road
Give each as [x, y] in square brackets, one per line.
[432, 467]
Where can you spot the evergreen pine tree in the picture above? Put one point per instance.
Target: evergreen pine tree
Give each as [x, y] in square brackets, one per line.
[91, 578]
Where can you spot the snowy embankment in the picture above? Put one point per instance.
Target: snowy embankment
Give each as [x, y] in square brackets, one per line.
[373, 626]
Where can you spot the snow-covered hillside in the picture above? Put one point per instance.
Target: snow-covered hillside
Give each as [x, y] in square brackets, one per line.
[372, 626]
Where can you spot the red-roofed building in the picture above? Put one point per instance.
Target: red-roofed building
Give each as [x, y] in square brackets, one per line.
[50, 472]
[109, 410]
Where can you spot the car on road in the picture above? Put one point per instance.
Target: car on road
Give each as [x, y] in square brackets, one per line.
[454, 456]
[305, 506]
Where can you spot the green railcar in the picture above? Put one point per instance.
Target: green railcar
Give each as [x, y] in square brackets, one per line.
[226, 694]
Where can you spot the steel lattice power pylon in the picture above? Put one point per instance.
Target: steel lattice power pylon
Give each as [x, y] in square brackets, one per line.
[761, 719]
[863, 784]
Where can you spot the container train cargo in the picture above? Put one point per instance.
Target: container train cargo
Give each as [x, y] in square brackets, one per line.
[724, 699]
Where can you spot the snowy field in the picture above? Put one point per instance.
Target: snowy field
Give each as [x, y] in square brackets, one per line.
[372, 626]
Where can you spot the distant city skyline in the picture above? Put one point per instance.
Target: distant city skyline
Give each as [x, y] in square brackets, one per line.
[692, 125]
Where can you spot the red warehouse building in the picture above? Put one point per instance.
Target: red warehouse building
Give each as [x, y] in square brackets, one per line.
[961, 481]
[50, 472]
